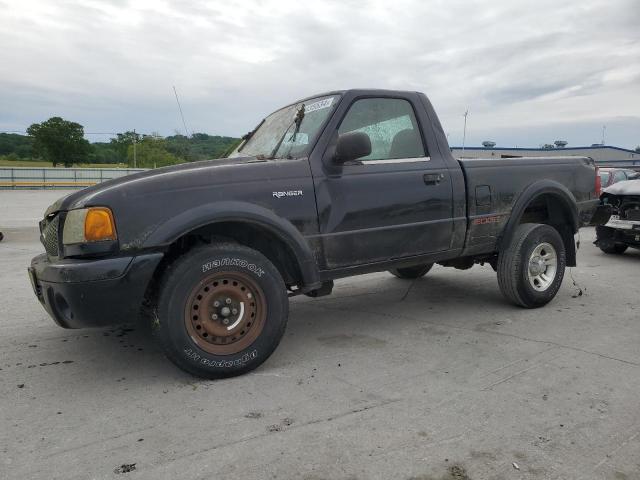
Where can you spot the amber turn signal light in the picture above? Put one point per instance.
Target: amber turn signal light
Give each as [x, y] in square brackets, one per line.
[99, 225]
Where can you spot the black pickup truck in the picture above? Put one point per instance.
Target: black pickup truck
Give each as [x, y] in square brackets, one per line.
[338, 184]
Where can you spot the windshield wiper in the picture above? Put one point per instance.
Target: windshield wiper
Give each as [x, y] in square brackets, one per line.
[297, 121]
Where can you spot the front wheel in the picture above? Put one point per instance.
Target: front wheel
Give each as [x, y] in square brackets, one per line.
[531, 268]
[221, 310]
[411, 273]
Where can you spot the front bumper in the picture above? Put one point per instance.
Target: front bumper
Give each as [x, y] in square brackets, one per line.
[621, 224]
[92, 293]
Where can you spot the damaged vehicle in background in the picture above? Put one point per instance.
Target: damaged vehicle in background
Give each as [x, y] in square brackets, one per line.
[623, 228]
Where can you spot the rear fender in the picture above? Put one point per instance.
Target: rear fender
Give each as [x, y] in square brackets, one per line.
[563, 200]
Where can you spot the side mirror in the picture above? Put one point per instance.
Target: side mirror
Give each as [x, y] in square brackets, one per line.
[351, 146]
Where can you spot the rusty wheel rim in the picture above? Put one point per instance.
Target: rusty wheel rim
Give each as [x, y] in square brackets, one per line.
[225, 313]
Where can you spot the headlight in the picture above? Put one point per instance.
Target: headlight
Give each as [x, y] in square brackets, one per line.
[93, 224]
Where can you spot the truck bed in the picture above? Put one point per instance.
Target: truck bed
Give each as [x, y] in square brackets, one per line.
[494, 186]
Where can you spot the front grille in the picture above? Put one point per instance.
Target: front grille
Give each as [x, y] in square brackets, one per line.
[50, 236]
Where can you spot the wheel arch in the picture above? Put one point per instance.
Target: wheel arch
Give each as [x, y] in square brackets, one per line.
[247, 224]
[547, 202]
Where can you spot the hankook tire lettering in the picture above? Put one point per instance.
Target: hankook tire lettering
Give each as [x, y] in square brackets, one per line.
[220, 363]
[233, 262]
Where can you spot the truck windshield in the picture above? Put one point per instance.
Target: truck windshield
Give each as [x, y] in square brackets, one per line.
[288, 132]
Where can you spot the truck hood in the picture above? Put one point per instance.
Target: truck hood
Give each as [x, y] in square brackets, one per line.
[150, 208]
[626, 187]
[206, 172]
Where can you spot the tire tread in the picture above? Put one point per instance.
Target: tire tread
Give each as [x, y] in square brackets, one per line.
[173, 269]
[511, 263]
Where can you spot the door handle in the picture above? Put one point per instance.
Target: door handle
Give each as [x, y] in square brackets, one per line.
[432, 178]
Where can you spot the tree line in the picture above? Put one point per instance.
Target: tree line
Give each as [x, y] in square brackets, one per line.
[62, 142]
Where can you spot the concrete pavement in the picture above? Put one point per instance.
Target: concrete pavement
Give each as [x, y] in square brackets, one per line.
[447, 381]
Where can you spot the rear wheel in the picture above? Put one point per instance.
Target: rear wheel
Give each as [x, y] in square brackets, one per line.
[412, 272]
[222, 310]
[531, 268]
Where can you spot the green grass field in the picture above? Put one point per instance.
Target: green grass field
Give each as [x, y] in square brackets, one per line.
[35, 164]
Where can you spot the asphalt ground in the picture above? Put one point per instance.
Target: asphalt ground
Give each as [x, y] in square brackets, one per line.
[384, 379]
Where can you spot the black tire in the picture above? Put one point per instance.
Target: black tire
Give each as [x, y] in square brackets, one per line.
[196, 270]
[514, 267]
[410, 273]
[605, 239]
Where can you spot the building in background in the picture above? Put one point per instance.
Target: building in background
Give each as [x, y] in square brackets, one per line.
[602, 154]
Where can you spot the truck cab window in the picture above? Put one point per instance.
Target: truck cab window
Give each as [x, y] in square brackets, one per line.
[391, 125]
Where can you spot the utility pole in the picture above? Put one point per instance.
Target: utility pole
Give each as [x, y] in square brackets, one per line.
[604, 129]
[464, 132]
[134, 149]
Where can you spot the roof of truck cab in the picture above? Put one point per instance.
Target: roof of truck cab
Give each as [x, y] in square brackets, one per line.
[356, 91]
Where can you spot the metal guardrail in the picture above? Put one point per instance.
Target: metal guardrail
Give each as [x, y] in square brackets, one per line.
[17, 178]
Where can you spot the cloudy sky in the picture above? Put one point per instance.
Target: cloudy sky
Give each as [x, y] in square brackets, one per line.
[529, 72]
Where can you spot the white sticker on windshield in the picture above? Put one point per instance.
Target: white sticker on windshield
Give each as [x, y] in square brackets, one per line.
[326, 103]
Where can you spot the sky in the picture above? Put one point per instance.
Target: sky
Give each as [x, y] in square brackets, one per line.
[528, 71]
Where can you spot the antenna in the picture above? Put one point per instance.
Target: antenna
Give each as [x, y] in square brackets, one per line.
[464, 132]
[135, 163]
[186, 132]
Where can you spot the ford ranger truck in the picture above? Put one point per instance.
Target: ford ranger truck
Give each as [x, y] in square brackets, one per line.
[338, 184]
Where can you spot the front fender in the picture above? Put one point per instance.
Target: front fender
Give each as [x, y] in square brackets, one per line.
[238, 211]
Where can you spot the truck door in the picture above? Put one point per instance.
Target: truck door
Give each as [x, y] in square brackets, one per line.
[394, 203]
